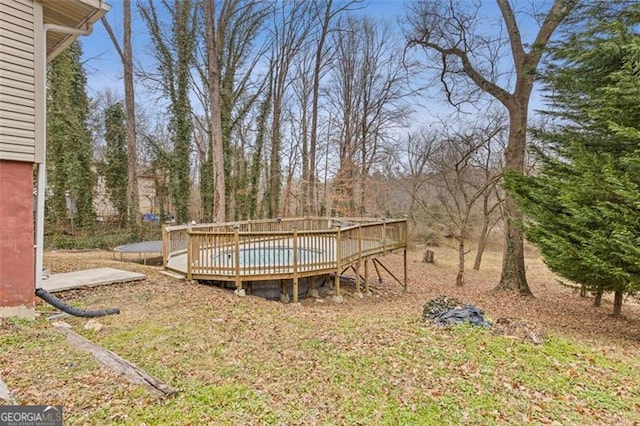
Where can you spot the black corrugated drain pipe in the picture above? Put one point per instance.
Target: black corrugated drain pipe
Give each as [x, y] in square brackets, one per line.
[58, 303]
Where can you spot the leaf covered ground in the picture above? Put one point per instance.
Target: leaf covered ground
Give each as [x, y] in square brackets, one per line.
[367, 361]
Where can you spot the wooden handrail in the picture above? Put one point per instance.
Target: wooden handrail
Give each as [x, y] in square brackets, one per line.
[277, 253]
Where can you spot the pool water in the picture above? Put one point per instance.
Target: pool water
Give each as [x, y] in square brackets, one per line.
[277, 255]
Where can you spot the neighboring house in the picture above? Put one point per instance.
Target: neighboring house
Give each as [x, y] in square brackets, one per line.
[32, 33]
[149, 200]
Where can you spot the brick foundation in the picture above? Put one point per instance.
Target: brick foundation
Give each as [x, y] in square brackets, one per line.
[17, 256]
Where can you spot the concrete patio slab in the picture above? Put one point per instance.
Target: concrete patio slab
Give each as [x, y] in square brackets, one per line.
[89, 278]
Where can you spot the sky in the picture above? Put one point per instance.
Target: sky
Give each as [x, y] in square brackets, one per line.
[104, 69]
[103, 64]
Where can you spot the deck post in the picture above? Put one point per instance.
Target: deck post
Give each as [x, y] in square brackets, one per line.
[295, 264]
[190, 243]
[377, 270]
[337, 298]
[359, 263]
[236, 239]
[366, 278]
[405, 270]
[405, 232]
[165, 245]
[384, 236]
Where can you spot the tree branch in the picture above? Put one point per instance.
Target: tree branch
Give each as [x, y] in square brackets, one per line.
[515, 39]
[559, 10]
[493, 89]
[112, 36]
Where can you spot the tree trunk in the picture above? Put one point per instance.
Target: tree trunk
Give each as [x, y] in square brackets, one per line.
[317, 68]
[175, 67]
[126, 56]
[206, 185]
[304, 130]
[363, 195]
[412, 208]
[256, 164]
[597, 302]
[275, 178]
[617, 303]
[215, 124]
[460, 277]
[429, 256]
[482, 243]
[513, 271]
[133, 196]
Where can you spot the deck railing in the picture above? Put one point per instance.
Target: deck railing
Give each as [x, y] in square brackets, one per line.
[278, 248]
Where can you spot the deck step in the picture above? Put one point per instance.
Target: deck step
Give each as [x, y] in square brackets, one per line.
[173, 274]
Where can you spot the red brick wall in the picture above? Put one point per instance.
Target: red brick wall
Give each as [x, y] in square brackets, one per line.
[17, 260]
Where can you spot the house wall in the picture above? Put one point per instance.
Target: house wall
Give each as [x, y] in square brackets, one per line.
[21, 107]
[19, 78]
[146, 190]
[22, 129]
[17, 281]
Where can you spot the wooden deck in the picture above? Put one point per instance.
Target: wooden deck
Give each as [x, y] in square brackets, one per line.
[280, 249]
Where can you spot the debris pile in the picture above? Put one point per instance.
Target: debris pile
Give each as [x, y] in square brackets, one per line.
[440, 305]
[445, 310]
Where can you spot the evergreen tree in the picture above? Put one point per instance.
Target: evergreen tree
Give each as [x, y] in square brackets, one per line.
[115, 171]
[69, 152]
[583, 208]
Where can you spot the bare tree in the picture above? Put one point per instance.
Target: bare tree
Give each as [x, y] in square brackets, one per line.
[461, 179]
[125, 52]
[256, 166]
[345, 101]
[223, 82]
[325, 12]
[489, 163]
[291, 27]
[303, 89]
[448, 31]
[410, 161]
[174, 48]
[293, 155]
[370, 89]
[215, 111]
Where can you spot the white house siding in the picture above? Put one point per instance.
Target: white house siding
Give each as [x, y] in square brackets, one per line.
[18, 80]
[146, 190]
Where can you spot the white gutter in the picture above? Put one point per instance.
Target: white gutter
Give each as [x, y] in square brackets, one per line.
[42, 166]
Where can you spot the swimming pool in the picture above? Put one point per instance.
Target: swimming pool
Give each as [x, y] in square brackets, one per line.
[264, 256]
[247, 252]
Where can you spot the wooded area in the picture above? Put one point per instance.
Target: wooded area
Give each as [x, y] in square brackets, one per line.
[246, 109]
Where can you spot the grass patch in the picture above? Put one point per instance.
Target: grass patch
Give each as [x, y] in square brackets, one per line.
[421, 375]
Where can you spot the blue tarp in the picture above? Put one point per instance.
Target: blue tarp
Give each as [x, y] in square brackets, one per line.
[469, 314]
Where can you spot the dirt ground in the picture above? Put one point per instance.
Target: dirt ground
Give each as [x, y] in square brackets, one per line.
[556, 307]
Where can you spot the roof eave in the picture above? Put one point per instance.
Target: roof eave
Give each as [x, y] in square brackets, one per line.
[98, 9]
